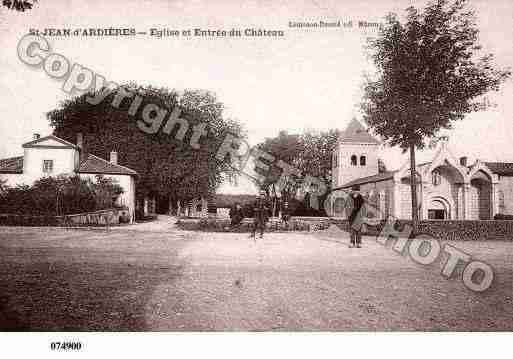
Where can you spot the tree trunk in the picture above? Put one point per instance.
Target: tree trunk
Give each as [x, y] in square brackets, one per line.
[275, 199]
[413, 186]
[211, 205]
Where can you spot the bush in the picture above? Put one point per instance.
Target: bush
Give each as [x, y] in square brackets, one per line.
[17, 220]
[52, 196]
[105, 191]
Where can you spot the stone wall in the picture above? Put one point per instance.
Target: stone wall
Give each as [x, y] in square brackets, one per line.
[99, 218]
[462, 230]
[106, 217]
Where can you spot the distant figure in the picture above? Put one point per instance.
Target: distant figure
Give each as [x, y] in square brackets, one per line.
[285, 214]
[357, 203]
[236, 215]
[260, 216]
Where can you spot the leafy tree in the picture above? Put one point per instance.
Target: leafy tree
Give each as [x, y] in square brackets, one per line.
[18, 5]
[106, 191]
[316, 155]
[309, 153]
[50, 196]
[287, 148]
[71, 195]
[167, 166]
[428, 75]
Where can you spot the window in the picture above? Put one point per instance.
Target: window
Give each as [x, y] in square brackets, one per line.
[362, 160]
[47, 166]
[335, 160]
[436, 178]
[354, 159]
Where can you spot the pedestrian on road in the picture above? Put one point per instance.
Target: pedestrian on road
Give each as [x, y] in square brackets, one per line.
[260, 216]
[356, 203]
[236, 215]
[285, 214]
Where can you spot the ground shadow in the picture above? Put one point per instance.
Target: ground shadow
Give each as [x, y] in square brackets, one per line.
[78, 295]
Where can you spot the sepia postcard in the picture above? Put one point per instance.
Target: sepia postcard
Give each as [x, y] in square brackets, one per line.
[291, 172]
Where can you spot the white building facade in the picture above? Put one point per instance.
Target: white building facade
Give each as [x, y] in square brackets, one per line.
[447, 188]
[53, 156]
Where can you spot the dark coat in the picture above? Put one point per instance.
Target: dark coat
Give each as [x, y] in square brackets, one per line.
[260, 213]
[236, 215]
[355, 204]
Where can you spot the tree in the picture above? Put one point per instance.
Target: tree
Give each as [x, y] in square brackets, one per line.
[428, 75]
[61, 195]
[287, 148]
[309, 153]
[317, 152]
[106, 191]
[167, 166]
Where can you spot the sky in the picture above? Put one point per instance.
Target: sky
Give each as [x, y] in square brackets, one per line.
[307, 79]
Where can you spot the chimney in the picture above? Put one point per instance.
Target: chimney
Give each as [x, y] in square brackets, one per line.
[463, 161]
[36, 136]
[81, 148]
[80, 140]
[114, 157]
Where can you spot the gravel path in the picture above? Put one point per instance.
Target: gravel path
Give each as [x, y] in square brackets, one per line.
[171, 281]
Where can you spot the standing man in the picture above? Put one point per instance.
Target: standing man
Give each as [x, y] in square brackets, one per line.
[354, 217]
[236, 215]
[260, 216]
[285, 214]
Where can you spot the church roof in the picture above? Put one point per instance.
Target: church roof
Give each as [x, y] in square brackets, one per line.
[383, 176]
[356, 133]
[501, 168]
[369, 179]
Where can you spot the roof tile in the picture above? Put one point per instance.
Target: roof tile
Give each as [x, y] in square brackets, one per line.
[93, 164]
[501, 168]
[355, 132]
[11, 165]
[370, 179]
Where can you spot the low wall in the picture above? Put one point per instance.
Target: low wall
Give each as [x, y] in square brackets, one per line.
[273, 225]
[106, 217]
[462, 230]
[29, 221]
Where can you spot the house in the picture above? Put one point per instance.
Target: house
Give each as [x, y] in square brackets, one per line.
[448, 188]
[53, 156]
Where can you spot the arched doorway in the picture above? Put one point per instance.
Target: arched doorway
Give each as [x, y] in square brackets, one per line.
[480, 196]
[445, 183]
[439, 208]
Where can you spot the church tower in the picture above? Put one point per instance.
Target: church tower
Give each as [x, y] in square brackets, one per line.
[356, 155]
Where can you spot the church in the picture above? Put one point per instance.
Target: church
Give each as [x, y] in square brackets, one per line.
[448, 188]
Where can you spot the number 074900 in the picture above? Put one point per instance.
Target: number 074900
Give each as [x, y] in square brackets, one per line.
[65, 345]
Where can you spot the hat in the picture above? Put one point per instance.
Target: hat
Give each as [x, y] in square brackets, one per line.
[355, 187]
